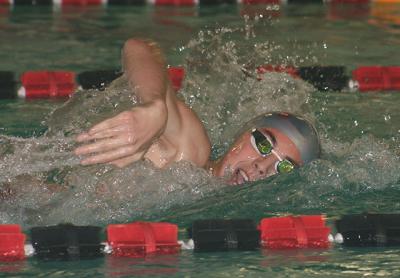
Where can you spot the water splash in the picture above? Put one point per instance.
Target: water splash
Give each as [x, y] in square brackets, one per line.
[353, 178]
[223, 86]
[21, 156]
[104, 194]
[89, 107]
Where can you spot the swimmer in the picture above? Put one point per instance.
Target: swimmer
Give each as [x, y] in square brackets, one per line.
[269, 144]
[164, 130]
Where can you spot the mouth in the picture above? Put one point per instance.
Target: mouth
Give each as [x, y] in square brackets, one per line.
[240, 177]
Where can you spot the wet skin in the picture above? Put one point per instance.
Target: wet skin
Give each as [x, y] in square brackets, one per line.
[244, 163]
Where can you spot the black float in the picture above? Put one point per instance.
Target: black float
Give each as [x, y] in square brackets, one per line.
[66, 242]
[370, 230]
[225, 235]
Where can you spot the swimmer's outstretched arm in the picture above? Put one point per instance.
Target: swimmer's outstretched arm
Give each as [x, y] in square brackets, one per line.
[126, 137]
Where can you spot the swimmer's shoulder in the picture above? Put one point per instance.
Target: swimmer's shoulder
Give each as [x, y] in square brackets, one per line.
[195, 142]
[186, 133]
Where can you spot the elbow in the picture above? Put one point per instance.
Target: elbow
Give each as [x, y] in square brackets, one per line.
[144, 47]
[141, 45]
[134, 45]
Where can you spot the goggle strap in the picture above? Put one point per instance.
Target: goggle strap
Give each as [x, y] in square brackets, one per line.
[277, 155]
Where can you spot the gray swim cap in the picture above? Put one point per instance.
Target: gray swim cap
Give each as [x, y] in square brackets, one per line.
[297, 129]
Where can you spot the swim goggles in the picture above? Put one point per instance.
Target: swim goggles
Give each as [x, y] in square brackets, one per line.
[264, 145]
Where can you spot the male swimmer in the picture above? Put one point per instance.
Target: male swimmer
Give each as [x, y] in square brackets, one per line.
[164, 130]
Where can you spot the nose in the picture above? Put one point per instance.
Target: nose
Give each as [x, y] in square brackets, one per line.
[264, 167]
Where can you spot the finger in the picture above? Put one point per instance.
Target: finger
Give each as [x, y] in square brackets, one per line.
[100, 146]
[127, 160]
[109, 156]
[106, 124]
[107, 133]
[83, 137]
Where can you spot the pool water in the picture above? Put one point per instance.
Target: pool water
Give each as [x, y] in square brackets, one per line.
[360, 133]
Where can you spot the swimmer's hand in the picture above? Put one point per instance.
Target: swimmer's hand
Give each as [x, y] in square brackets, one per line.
[125, 138]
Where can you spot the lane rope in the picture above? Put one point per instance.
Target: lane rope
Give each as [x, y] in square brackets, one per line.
[62, 84]
[141, 239]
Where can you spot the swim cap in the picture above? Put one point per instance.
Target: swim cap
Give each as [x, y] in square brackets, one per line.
[297, 129]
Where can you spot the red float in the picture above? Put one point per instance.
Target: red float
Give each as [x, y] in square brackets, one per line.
[175, 2]
[377, 78]
[45, 84]
[12, 242]
[176, 75]
[139, 239]
[294, 232]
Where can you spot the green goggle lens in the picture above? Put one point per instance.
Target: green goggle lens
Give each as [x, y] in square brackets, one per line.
[264, 146]
[284, 166]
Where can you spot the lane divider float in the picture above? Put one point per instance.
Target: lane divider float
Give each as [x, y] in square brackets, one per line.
[66, 241]
[376, 78]
[224, 235]
[62, 84]
[97, 79]
[8, 85]
[43, 84]
[141, 239]
[181, 3]
[12, 243]
[334, 78]
[307, 231]
[49, 84]
[369, 230]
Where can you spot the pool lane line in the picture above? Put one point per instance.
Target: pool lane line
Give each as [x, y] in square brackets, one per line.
[141, 239]
[185, 3]
[62, 84]
[336, 9]
[50, 84]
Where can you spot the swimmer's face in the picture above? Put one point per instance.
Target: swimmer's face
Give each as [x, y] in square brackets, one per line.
[245, 162]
